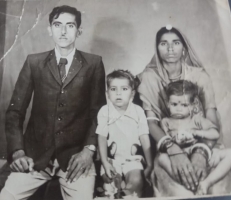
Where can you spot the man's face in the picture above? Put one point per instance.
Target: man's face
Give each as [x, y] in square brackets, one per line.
[64, 31]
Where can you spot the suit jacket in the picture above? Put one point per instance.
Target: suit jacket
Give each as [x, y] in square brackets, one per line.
[63, 116]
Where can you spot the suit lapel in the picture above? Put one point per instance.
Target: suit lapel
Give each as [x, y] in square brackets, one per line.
[52, 64]
[76, 65]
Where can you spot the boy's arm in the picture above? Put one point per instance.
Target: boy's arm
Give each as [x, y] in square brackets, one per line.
[109, 169]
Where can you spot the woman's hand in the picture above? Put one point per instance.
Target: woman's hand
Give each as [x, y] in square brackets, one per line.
[182, 168]
[200, 166]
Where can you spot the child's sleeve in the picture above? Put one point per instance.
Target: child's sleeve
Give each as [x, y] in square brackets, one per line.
[143, 123]
[102, 118]
[203, 123]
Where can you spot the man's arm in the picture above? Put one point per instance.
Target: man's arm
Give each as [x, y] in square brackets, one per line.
[98, 99]
[81, 162]
[15, 116]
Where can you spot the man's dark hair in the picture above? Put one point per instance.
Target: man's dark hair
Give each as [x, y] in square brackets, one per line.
[182, 87]
[65, 9]
[123, 74]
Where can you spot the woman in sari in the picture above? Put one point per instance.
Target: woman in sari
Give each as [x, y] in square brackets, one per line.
[175, 60]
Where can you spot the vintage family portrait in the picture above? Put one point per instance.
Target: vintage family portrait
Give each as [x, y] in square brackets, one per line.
[115, 99]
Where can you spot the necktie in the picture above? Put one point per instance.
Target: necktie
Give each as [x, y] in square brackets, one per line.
[62, 69]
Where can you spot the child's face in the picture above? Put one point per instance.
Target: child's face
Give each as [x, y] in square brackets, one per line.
[180, 106]
[120, 93]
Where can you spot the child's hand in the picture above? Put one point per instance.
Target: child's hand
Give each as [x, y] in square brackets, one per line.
[147, 174]
[202, 188]
[110, 170]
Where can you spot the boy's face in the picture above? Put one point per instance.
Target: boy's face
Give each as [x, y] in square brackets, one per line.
[64, 31]
[180, 106]
[120, 93]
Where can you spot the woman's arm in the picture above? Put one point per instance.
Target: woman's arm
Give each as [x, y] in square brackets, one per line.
[146, 146]
[181, 165]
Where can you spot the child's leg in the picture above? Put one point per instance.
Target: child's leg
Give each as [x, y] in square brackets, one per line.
[220, 171]
[134, 182]
[134, 178]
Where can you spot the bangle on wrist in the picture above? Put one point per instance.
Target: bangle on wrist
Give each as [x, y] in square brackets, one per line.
[164, 143]
[202, 149]
[202, 152]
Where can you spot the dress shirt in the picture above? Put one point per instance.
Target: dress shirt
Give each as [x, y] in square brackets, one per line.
[69, 58]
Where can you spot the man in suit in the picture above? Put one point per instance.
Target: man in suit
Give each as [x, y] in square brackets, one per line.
[68, 88]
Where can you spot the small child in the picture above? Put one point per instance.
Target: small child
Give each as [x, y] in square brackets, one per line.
[220, 166]
[187, 127]
[123, 127]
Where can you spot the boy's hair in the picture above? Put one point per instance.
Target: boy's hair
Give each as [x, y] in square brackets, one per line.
[123, 74]
[65, 9]
[182, 87]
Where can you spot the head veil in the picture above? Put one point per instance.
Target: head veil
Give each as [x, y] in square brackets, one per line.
[154, 79]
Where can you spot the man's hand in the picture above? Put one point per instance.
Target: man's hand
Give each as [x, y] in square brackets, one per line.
[200, 166]
[21, 163]
[79, 164]
[182, 168]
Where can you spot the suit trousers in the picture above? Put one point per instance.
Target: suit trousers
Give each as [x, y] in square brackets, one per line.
[20, 186]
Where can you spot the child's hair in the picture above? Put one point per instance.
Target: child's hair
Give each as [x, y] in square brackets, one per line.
[123, 74]
[182, 87]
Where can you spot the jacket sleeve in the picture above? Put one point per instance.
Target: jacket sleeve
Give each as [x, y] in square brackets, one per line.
[16, 111]
[98, 99]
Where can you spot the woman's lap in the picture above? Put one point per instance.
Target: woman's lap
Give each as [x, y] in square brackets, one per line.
[165, 186]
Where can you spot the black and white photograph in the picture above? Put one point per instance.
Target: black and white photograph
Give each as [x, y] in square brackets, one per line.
[115, 99]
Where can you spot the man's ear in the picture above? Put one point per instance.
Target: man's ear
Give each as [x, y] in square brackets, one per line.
[79, 31]
[49, 31]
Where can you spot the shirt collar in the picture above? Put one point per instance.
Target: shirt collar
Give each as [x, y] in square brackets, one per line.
[69, 57]
[114, 115]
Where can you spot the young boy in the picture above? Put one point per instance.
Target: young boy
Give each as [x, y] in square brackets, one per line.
[124, 125]
[187, 128]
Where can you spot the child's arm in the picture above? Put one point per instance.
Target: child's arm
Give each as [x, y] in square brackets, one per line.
[210, 134]
[207, 130]
[109, 169]
[146, 146]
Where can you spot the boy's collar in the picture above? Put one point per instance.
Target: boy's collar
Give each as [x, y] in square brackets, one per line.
[114, 115]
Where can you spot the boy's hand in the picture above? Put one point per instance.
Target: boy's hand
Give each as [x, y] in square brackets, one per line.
[147, 174]
[109, 170]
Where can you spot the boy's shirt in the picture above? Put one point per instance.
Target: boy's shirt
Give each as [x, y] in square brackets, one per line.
[122, 130]
[181, 129]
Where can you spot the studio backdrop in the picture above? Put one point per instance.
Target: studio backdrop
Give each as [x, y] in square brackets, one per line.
[123, 33]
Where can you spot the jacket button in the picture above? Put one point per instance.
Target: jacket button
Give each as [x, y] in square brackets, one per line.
[57, 133]
[61, 105]
[60, 118]
[62, 91]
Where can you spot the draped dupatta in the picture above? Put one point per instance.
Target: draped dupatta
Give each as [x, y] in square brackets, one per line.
[155, 78]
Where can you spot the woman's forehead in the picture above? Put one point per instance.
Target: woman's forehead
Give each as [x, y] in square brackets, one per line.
[170, 36]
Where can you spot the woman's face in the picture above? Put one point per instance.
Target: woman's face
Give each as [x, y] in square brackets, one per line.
[170, 48]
